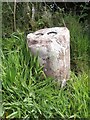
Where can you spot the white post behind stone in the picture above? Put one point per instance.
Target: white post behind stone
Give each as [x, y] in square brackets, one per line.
[53, 47]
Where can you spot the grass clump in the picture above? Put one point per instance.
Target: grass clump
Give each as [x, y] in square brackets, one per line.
[28, 93]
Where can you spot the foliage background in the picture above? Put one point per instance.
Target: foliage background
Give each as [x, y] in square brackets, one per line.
[75, 16]
[27, 92]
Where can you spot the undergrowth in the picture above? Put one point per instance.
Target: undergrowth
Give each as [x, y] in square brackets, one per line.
[28, 93]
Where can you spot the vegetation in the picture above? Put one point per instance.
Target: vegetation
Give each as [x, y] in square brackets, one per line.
[27, 93]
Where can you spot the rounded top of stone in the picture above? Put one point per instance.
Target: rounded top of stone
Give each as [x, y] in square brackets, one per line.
[54, 31]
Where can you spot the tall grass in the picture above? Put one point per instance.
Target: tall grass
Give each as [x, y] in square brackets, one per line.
[28, 93]
[79, 43]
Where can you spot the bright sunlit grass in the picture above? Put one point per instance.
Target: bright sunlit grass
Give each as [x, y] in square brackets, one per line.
[28, 93]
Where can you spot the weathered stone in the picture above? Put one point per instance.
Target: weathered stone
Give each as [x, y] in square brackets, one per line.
[53, 47]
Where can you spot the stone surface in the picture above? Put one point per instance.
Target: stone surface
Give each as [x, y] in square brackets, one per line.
[53, 48]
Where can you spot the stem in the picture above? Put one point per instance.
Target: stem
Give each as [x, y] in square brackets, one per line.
[33, 12]
[14, 15]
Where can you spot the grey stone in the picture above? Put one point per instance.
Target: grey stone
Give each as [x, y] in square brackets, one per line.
[53, 47]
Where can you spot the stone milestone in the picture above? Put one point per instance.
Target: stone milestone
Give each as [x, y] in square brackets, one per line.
[53, 48]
